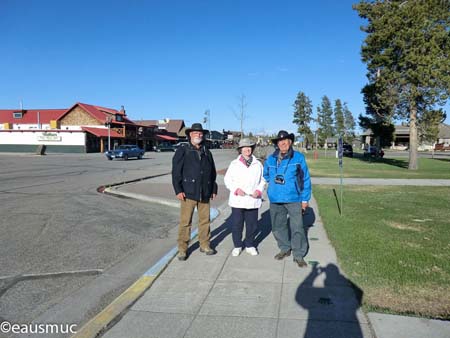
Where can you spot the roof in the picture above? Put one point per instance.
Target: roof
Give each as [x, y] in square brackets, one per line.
[100, 113]
[30, 116]
[401, 129]
[172, 126]
[444, 131]
[166, 137]
[147, 122]
[102, 132]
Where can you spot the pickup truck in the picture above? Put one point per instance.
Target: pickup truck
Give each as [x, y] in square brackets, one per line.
[125, 152]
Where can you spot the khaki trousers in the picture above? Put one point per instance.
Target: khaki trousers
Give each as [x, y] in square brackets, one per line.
[184, 229]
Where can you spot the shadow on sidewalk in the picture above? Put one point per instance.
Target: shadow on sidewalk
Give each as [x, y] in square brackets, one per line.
[221, 232]
[331, 309]
[264, 228]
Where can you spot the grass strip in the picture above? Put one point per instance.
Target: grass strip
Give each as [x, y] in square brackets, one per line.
[379, 168]
[394, 242]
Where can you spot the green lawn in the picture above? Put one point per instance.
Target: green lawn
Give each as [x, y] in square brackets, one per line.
[394, 242]
[378, 168]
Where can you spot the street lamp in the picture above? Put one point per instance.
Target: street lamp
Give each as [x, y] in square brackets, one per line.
[108, 123]
[207, 119]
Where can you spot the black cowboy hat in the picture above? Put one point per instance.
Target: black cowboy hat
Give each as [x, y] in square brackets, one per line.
[196, 127]
[282, 135]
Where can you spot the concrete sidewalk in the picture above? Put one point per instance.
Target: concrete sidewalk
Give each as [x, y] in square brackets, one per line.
[224, 296]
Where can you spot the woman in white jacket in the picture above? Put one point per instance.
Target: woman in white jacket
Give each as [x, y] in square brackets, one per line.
[244, 179]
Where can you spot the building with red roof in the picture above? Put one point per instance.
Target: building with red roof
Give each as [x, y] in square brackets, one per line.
[80, 128]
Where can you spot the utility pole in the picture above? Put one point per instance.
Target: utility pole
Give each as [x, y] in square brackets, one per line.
[207, 120]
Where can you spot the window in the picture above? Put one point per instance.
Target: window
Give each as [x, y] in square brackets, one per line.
[17, 115]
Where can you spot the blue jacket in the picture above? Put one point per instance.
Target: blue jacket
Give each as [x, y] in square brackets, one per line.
[297, 183]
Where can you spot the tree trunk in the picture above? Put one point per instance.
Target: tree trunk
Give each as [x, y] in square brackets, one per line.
[413, 165]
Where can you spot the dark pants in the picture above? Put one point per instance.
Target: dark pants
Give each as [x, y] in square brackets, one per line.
[297, 241]
[238, 216]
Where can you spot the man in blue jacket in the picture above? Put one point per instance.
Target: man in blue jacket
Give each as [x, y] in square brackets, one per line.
[289, 193]
[194, 182]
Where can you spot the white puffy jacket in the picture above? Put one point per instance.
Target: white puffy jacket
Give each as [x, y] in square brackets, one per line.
[246, 178]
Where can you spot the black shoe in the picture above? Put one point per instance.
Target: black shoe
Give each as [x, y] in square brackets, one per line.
[282, 254]
[182, 256]
[208, 251]
[300, 262]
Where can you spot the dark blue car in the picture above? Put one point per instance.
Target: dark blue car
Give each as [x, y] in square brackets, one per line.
[125, 151]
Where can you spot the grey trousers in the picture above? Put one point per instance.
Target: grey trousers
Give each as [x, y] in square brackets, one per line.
[297, 241]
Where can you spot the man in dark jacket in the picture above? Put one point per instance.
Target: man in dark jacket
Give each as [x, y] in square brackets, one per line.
[194, 182]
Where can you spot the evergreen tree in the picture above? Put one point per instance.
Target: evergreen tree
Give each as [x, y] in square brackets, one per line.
[407, 51]
[429, 125]
[380, 113]
[349, 125]
[325, 120]
[303, 117]
[339, 118]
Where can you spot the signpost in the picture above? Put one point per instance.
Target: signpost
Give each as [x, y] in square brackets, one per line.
[340, 155]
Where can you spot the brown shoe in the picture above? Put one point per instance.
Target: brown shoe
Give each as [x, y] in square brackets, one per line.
[208, 251]
[282, 254]
[300, 262]
[182, 256]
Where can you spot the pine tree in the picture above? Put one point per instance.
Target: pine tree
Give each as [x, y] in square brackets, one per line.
[339, 118]
[349, 125]
[303, 117]
[428, 125]
[407, 51]
[325, 120]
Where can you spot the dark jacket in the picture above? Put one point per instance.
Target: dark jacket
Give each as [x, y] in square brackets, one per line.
[194, 173]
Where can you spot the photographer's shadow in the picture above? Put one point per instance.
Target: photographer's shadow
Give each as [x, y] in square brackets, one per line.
[333, 308]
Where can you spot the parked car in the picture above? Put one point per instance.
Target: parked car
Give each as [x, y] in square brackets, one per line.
[176, 145]
[165, 146]
[373, 151]
[347, 150]
[125, 151]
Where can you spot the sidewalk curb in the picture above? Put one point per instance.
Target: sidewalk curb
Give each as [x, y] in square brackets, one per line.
[114, 192]
[114, 311]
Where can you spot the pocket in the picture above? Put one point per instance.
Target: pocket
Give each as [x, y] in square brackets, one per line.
[189, 185]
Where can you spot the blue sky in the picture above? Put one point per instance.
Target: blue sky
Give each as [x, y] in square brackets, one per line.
[176, 59]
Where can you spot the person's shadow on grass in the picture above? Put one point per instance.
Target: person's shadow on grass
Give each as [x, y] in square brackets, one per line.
[332, 309]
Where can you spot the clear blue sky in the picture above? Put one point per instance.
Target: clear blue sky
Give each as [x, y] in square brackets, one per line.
[176, 59]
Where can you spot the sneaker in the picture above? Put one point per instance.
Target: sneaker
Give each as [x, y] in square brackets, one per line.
[251, 251]
[300, 262]
[208, 251]
[182, 256]
[236, 252]
[282, 254]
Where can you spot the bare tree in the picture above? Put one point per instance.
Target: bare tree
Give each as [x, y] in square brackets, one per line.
[241, 115]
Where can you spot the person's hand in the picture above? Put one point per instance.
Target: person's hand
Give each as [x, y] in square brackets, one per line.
[213, 196]
[304, 206]
[181, 196]
[239, 192]
[256, 194]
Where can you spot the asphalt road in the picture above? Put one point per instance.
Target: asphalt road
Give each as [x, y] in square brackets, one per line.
[65, 249]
